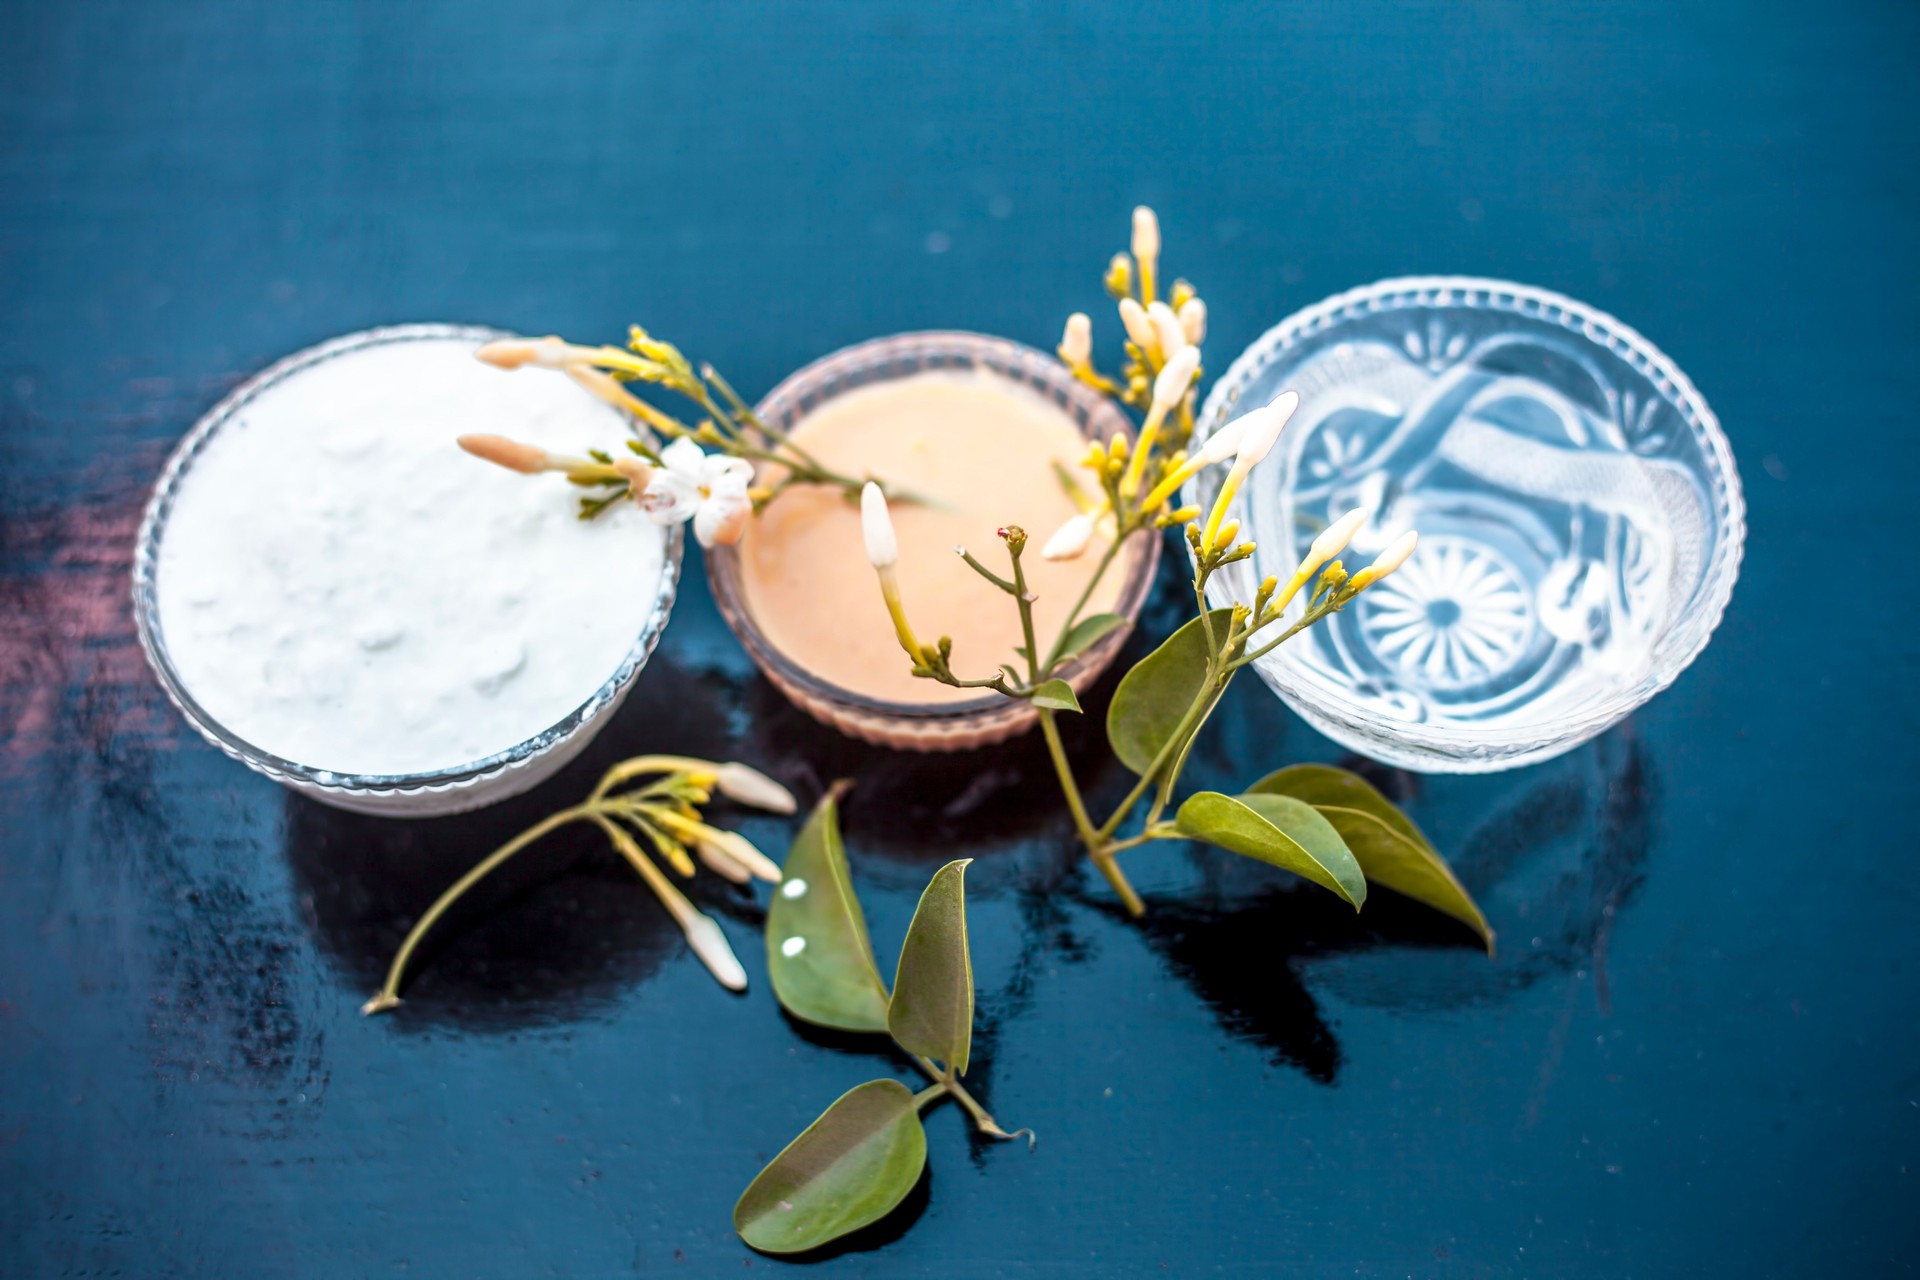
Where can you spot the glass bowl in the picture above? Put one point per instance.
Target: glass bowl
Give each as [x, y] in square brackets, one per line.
[455, 789]
[1579, 513]
[947, 726]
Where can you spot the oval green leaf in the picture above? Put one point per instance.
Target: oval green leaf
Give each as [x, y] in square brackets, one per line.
[1087, 631]
[850, 1168]
[1155, 695]
[818, 953]
[1055, 695]
[1279, 830]
[1390, 848]
[931, 1013]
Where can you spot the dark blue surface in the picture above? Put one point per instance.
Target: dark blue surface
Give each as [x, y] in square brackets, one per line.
[1697, 1052]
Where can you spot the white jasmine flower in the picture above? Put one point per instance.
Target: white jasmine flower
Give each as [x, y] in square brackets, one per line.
[527, 459]
[1146, 234]
[1256, 439]
[1331, 542]
[1139, 328]
[1076, 344]
[1193, 320]
[730, 854]
[1170, 387]
[1392, 558]
[1071, 538]
[550, 352]
[1263, 428]
[711, 945]
[708, 488]
[1167, 330]
[747, 785]
[883, 551]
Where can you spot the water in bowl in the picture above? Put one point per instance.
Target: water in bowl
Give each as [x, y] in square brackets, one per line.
[1556, 538]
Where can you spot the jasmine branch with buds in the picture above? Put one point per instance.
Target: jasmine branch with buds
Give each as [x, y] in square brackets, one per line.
[1163, 703]
[678, 482]
[658, 798]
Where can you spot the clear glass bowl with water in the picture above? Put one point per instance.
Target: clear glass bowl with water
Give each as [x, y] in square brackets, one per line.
[1579, 513]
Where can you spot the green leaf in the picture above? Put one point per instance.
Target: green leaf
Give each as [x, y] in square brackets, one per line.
[850, 1168]
[1055, 695]
[1390, 848]
[1322, 784]
[818, 952]
[1087, 631]
[1276, 829]
[932, 1009]
[1152, 698]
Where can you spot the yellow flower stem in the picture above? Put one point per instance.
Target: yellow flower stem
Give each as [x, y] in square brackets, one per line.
[1137, 464]
[670, 897]
[890, 592]
[390, 990]
[641, 766]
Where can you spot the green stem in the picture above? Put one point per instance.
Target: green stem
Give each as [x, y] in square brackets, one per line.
[1070, 788]
[1086, 594]
[946, 1082]
[1024, 599]
[1311, 617]
[390, 990]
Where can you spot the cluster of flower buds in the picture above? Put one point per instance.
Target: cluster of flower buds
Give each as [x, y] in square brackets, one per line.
[659, 799]
[1158, 330]
[714, 490]
[682, 482]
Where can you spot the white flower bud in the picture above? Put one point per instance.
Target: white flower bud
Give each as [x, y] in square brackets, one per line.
[1070, 539]
[720, 862]
[747, 785]
[1171, 386]
[1193, 319]
[1146, 234]
[1392, 558]
[527, 459]
[549, 352]
[1139, 328]
[718, 846]
[1332, 541]
[711, 945]
[1076, 344]
[1166, 328]
[1263, 428]
[883, 552]
[1221, 445]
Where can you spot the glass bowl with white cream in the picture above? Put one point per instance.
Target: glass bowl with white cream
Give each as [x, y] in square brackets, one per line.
[982, 429]
[336, 596]
[1579, 512]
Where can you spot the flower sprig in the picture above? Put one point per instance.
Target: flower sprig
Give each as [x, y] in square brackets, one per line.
[660, 799]
[705, 472]
[1164, 701]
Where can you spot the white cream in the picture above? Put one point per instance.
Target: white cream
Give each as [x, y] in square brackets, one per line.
[339, 585]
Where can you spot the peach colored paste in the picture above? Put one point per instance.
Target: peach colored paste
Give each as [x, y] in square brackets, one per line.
[983, 448]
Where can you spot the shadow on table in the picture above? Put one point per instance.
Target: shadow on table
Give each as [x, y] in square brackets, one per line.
[561, 927]
[1562, 847]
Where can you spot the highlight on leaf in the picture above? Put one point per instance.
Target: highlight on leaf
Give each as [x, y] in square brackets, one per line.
[819, 957]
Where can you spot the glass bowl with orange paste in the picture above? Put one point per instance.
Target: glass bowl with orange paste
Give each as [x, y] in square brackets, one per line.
[974, 425]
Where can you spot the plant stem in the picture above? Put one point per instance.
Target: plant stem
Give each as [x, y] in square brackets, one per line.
[1086, 594]
[1024, 599]
[946, 1082]
[390, 991]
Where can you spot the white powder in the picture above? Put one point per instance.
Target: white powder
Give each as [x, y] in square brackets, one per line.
[341, 586]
